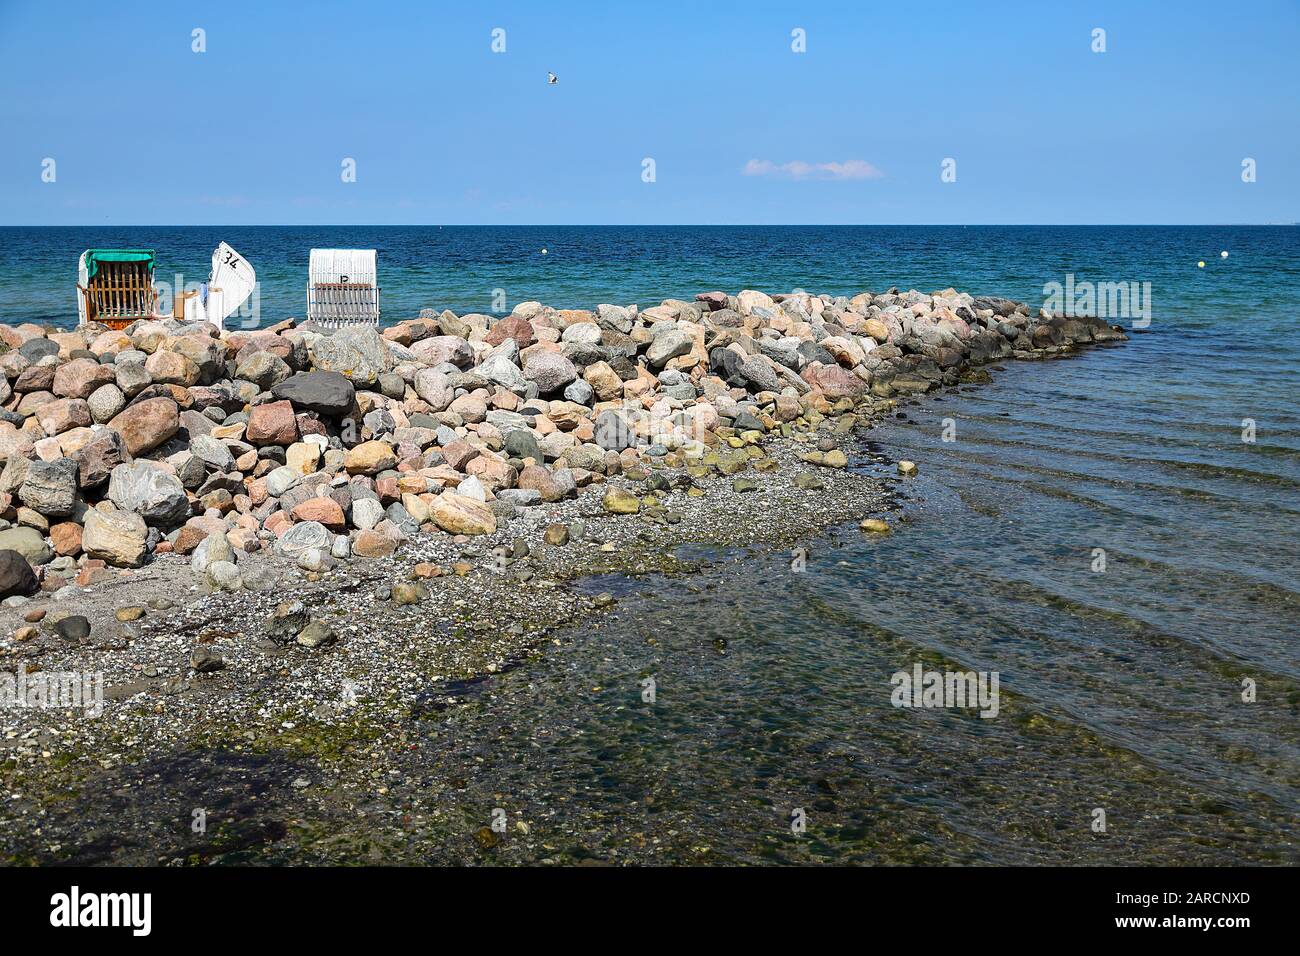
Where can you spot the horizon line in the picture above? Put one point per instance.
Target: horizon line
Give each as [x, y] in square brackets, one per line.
[649, 225]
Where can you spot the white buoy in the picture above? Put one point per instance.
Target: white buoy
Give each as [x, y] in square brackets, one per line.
[543, 250]
[1223, 254]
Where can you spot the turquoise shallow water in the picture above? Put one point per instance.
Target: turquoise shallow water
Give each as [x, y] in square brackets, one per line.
[460, 267]
[1122, 688]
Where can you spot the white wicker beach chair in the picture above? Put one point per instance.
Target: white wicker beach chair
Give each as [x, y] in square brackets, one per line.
[342, 288]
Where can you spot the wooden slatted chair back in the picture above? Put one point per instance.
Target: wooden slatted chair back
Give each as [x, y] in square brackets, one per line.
[119, 294]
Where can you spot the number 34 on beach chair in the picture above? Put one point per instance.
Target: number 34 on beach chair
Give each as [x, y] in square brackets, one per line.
[116, 287]
[342, 288]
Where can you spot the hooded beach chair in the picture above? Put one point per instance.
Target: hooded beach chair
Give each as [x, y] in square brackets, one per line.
[342, 288]
[115, 287]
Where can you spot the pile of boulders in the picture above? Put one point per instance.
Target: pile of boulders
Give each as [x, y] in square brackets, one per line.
[169, 437]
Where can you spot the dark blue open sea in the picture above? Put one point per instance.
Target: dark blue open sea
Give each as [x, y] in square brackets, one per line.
[1123, 688]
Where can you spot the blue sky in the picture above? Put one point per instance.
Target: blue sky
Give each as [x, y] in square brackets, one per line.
[741, 128]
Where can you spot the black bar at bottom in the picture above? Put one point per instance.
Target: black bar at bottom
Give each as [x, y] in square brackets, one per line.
[300, 905]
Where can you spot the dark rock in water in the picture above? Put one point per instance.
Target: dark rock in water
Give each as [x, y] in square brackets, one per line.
[1044, 336]
[74, 627]
[947, 358]
[1076, 331]
[16, 575]
[328, 393]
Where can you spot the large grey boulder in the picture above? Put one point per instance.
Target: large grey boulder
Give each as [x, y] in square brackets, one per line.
[359, 353]
[264, 369]
[433, 388]
[303, 537]
[668, 345]
[328, 393]
[279, 480]
[615, 318]
[503, 372]
[28, 542]
[613, 432]
[213, 548]
[366, 513]
[50, 487]
[106, 402]
[155, 495]
[583, 333]
[212, 451]
[224, 576]
[441, 349]
[549, 371]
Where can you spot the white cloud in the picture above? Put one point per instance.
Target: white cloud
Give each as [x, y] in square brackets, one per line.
[799, 169]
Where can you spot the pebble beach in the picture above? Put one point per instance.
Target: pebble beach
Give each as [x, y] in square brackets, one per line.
[290, 539]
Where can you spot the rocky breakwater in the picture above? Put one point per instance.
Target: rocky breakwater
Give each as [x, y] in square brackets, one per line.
[169, 438]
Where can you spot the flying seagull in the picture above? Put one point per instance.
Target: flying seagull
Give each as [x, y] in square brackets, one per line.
[551, 78]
